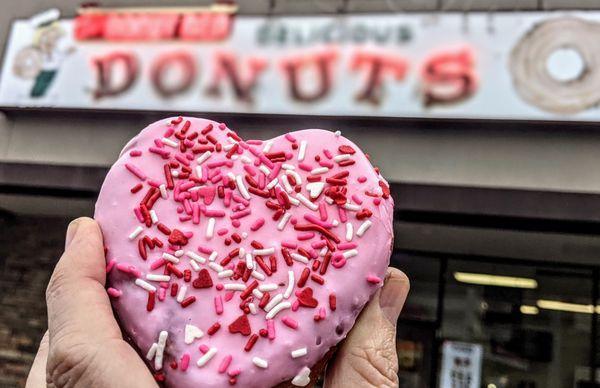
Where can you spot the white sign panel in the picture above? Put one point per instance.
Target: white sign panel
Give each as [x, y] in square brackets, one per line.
[543, 66]
[461, 365]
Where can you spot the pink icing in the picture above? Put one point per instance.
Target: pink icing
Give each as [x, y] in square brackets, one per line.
[353, 280]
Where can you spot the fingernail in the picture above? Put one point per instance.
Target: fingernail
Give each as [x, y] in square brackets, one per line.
[391, 298]
[71, 231]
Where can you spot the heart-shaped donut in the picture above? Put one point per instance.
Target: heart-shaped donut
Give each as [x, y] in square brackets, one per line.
[241, 262]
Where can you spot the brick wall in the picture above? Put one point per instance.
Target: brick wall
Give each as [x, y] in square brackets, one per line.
[29, 248]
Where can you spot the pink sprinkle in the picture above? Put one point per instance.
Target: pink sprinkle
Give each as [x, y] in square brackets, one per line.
[188, 234]
[205, 250]
[135, 153]
[203, 348]
[346, 245]
[236, 223]
[158, 143]
[305, 236]
[113, 292]
[328, 154]
[362, 179]
[234, 372]
[187, 206]
[214, 213]
[187, 185]
[271, 329]
[185, 218]
[222, 231]
[228, 296]
[376, 201]
[243, 144]
[239, 199]
[188, 143]
[219, 286]
[289, 244]
[338, 261]
[110, 265]
[195, 213]
[290, 137]
[163, 285]
[179, 209]
[220, 163]
[240, 214]
[185, 361]
[267, 162]
[313, 254]
[373, 279]
[250, 169]
[190, 156]
[342, 212]
[138, 214]
[169, 132]
[218, 304]
[159, 151]
[182, 160]
[319, 244]
[225, 363]
[290, 322]
[323, 211]
[325, 163]
[322, 313]
[275, 171]
[216, 178]
[227, 198]
[126, 268]
[305, 167]
[135, 171]
[162, 293]
[311, 218]
[254, 151]
[157, 264]
[295, 305]
[289, 155]
[154, 183]
[357, 199]
[257, 224]
[261, 181]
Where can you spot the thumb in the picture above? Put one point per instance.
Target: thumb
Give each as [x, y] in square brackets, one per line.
[367, 358]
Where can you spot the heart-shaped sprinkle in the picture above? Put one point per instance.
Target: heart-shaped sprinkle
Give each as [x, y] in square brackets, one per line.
[177, 238]
[191, 333]
[302, 379]
[315, 189]
[305, 297]
[241, 325]
[203, 280]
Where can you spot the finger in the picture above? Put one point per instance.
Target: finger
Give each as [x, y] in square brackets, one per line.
[37, 373]
[367, 358]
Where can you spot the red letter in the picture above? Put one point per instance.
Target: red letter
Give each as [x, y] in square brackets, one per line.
[377, 65]
[449, 77]
[228, 66]
[323, 62]
[170, 61]
[205, 26]
[107, 66]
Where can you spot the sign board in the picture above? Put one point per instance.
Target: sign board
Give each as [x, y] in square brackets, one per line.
[543, 66]
[461, 365]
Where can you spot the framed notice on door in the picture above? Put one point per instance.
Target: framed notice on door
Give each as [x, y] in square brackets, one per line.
[461, 365]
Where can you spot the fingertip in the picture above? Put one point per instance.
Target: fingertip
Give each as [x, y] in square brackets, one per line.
[397, 276]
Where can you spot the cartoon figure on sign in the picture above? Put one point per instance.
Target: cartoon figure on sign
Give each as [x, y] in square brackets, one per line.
[42, 59]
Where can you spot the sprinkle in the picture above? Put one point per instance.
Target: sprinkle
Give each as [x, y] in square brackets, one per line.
[319, 170]
[251, 341]
[181, 293]
[210, 228]
[296, 176]
[192, 333]
[363, 228]
[315, 189]
[337, 133]
[206, 357]
[158, 358]
[350, 253]
[225, 363]
[259, 362]
[302, 379]
[332, 301]
[299, 352]
[302, 150]
[225, 274]
[213, 256]
[349, 231]
[257, 293]
[136, 171]
[273, 302]
[271, 329]
[136, 233]
[277, 309]
[153, 217]
[342, 157]
[290, 286]
[290, 322]
[268, 287]
[258, 224]
[286, 184]
[299, 257]
[249, 261]
[185, 361]
[145, 285]
[194, 256]
[113, 292]
[306, 202]
[286, 166]
[351, 207]
[152, 351]
[169, 142]
[252, 308]
[234, 286]
[284, 220]
[169, 257]
[263, 252]
[158, 278]
[264, 170]
[267, 146]
[215, 267]
[212, 330]
[218, 305]
[257, 275]
[373, 279]
[242, 187]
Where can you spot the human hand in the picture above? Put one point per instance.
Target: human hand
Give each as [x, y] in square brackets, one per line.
[84, 346]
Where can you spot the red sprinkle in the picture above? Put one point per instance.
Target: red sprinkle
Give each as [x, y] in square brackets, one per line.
[188, 301]
[332, 301]
[251, 341]
[151, 301]
[214, 328]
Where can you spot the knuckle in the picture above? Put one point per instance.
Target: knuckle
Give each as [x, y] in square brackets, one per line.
[67, 364]
[377, 364]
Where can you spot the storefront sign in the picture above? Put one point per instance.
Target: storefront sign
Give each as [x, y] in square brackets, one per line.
[513, 65]
[461, 365]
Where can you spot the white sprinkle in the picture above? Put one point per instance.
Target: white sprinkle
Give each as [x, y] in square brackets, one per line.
[136, 232]
[315, 189]
[302, 150]
[351, 207]
[284, 220]
[153, 216]
[264, 170]
[158, 358]
[195, 266]
[341, 158]
[158, 278]
[286, 184]
[334, 222]
[256, 292]
[175, 173]
[196, 257]
[206, 357]
[299, 352]
[249, 261]
[290, 286]
[263, 252]
[244, 235]
[337, 133]
[242, 187]
[323, 251]
[178, 253]
[268, 287]
[245, 159]
[170, 257]
[231, 175]
[163, 191]
[242, 253]
[363, 228]
[213, 256]
[350, 253]
[234, 286]
[198, 171]
[296, 176]
[294, 201]
[286, 166]
[195, 188]
[215, 267]
[268, 146]
[329, 200]
[252, 308]
[302, 379]
[349, 231]
[225, 274]
[169, 142]
[181, 293]
[145, 285]
[299, 257]
[202, 158]
[273, 302]
[210, 228]
[257, 275]
[319, 170]
[227, 147]
[191, 333]
[272, 184]
[281, 306]
[306, 202]
[259, 362]
[152, 351]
